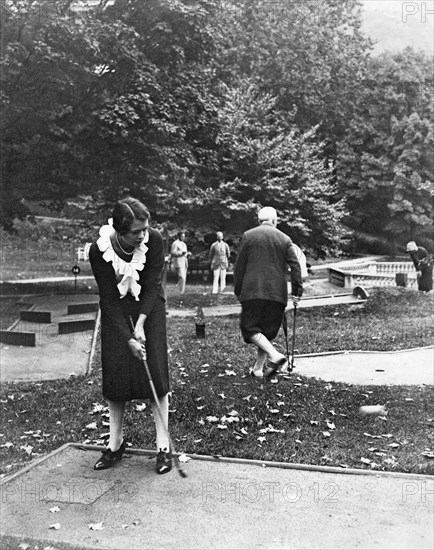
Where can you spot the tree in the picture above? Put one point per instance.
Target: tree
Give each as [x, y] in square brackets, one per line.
[265, 161]
[312, 56]
[385, 163]
[56, 68]
[116, 100]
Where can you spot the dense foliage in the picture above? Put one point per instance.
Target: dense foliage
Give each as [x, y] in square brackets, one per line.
[206, 110]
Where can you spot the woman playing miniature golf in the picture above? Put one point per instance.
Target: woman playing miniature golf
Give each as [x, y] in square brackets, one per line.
[127, 261]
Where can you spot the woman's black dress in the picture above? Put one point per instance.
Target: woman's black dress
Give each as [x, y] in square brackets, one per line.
[423, 262]
[124, 377]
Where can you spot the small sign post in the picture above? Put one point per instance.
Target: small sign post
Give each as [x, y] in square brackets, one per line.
[75, 270]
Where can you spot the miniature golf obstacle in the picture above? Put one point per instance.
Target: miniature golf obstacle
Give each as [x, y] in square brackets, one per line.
[18, 338]
[88, 307]
[199, 319]
[360, 292]
[33, 316]
[79, 325]
[401, 279]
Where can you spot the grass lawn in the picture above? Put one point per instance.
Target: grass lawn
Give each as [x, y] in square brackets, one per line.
[218, 409]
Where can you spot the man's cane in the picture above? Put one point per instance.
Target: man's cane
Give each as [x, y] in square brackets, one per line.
[293, 338]
[160, 412]
[285, 332]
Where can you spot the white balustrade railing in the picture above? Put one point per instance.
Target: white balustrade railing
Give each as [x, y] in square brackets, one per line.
[372, 274]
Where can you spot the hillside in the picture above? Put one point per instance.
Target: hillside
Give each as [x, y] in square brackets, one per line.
[394, 26]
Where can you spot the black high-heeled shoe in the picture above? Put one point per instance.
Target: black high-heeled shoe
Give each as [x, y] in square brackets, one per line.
[164, 462]
[109, 458]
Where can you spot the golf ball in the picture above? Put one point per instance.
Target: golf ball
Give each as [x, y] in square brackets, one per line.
[373, 409]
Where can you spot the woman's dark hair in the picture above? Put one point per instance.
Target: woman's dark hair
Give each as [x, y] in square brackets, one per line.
[125, 212]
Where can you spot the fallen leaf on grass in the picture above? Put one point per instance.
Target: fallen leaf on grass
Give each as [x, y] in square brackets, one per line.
[314, 422]
[97, 407]
[409, 399]
[394, 445]
[222, 395]
[230, 373]
[212, 419]
[365, 460]
[200, 408]
[27, 448]
[270, 429]
[247, 398]
[222, 427]
[262, 439]
[229, 419]
[184, 458]
[92, 426]
[141, 407]
[234, 413]
[326, 434]
[428, 454]
[96, 526]
[24, 546]
[274, 411]
[330, 425]
[7, 445]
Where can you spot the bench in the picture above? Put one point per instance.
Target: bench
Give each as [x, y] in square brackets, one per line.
[199, 267]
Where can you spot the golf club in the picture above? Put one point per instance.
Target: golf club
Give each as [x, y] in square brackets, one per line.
[159, 411]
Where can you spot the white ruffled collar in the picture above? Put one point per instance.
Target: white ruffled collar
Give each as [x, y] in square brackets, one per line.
[127, 270]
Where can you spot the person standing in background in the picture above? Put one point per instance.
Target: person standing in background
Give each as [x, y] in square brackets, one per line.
[219, 258]
[180, 254]
[423, 263]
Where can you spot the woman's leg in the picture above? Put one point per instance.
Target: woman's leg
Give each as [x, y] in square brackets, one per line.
[162, 424]
[117, 411]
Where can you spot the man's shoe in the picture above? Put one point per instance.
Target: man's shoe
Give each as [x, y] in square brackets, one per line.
[256, 373]
[109, 458]
[272, 368]
[164, 462]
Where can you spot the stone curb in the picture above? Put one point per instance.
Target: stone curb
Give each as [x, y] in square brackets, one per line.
[226, 460]
[342, 352]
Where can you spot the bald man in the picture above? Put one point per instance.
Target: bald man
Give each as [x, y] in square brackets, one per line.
[260, 285]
